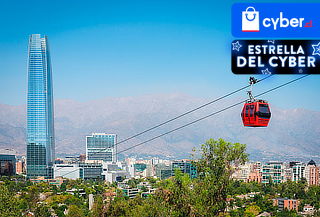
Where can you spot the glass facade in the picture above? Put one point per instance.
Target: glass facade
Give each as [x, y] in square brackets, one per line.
[79, 170]
[163, 171]
[90, 171]
[40, 124]
[273, 171]
[185, 167]
[101, 146]
[7, 165]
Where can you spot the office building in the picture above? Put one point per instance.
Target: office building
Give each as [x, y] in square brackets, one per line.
[82, 157]
[20, 167]
[254, 176]
[286, 204]
[298, 171]
[69, 171]
[273, 170]
[287, 172]
[312, 173]
[114, 171]
[184, 166]
[242, 172]
[58, 181]
[40, 126]
[101, 146]
[163, 171]
[91, 171]
[79, 170]
[130, 192]
[7, 162]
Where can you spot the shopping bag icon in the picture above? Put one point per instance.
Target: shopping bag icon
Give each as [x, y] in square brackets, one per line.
[250, 20]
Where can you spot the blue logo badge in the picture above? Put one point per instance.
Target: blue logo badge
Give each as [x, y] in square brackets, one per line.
[276, 20]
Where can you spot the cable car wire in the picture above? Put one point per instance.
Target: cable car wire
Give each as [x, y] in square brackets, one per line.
[202, 118]
[186, 113]
[212, 114]
[190, 111]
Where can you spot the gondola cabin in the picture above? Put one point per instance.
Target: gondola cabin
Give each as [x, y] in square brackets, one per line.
[256, 114]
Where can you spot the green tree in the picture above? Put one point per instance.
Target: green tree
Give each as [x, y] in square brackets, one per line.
[42, 210]
[237, 212]
[8, 203]
[32, 195]
[215, 168]
[144, 189]
[264, 203]
[63, 186]
[178, 194]
[287, 213]
[252, 211]
[293, 190]
[98, 207]
[133, 182]
[152, 206]
[74, 211]
[313, 196]
[181, 196]
[120, 206]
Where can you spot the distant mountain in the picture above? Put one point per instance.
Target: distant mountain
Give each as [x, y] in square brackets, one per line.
[292, 134]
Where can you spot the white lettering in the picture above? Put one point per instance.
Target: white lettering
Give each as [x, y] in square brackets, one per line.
[241, 61]
[282, 22]
[300, 50]
[252, 60]
[275, 22]
[311, 61]
[250, 49]
[292, 61]
[294, 22]
[265, 22]
[283, 60]
[272, 63]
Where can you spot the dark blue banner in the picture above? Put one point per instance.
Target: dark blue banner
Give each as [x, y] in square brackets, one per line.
[275, 56]
[276, 20]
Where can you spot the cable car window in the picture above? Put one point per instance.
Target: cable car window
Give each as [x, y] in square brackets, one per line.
[264, 108]
[264, 111]
[251, 110]
[247, 110]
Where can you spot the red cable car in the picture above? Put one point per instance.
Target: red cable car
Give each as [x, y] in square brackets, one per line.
[255, 113]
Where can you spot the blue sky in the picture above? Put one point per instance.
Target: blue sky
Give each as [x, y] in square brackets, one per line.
[129, 48]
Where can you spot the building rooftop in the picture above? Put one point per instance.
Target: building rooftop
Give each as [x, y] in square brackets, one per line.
[8, 151]
[311, 162]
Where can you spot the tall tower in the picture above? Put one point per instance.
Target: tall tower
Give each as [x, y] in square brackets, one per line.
[40, 124]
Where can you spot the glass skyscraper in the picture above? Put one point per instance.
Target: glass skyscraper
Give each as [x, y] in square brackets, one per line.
[40, 124]
[101, 146]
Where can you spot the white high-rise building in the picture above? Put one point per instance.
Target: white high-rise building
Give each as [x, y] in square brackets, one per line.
[101, 146]
[298, 171]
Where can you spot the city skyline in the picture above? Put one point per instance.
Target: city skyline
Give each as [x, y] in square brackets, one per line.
[133, 108]
[266, 84]
[40, 120]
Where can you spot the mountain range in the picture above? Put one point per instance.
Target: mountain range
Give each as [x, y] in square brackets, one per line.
[293, 134]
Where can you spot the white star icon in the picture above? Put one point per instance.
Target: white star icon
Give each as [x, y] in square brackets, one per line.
[316, 49]
[236, 46]
[266, 71]
[271, 41]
